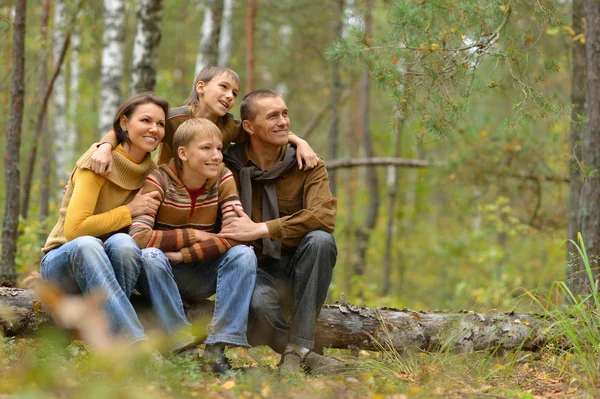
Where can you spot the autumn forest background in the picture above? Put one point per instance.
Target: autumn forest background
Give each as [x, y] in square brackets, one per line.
[462, 141]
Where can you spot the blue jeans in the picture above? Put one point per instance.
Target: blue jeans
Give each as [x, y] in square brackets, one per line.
[231, 276]
[86, 263]
[296, 284]
[156, 283]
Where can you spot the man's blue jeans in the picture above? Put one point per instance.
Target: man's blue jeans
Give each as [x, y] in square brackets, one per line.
[296, 284]
[232, 277]
[86, 263]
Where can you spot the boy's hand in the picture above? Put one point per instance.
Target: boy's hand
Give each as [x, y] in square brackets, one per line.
[174, 257]
[242, 228]
[101, 160]
[203, 235]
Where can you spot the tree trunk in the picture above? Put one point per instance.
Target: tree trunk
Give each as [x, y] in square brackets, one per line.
[145, 48]
[73, 88]
[12, 178]
[211, 28]
[250, 27]
[225, 36]
[67, 143]
[113, 40]
[59, 98]
[590, 156]
[364, 232]
[346, 326]
[336, 93]
[574, 273]
[393, 182]
[45, 137]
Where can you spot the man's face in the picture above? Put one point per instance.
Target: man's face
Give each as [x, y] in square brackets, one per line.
[271, 124]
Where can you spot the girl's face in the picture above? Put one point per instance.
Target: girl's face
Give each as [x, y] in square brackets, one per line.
[217, 96]
[145, 128]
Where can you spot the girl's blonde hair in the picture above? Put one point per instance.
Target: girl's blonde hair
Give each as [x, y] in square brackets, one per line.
[188, 130]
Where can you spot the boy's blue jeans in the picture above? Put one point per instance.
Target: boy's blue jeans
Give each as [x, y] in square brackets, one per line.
[231, 276]
[86, 263]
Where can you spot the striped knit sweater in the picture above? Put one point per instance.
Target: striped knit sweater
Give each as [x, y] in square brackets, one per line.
[172, 228]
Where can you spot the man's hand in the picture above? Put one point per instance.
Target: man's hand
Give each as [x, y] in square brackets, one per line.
[304, 153]
[242, 228]
[174, 257]
[101, 160]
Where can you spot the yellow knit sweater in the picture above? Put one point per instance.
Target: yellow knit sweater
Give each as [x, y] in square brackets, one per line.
[94, 205]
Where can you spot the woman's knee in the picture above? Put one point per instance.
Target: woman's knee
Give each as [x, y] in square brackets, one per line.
[122, 243]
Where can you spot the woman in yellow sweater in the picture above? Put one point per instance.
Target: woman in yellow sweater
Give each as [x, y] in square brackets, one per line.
[89, 247]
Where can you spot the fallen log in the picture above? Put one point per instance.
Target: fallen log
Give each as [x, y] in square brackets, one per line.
[346, 327]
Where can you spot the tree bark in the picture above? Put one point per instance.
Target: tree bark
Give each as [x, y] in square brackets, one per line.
[12, 178]
[250, 27]
[113, 40]
[345, 326]
[145, 48]
[211, 29]
[364, 232]
[59, 99]
[578, 91]
[45, 138]
[225, 35]
[336, 93]
[57, 77]
[590, 156]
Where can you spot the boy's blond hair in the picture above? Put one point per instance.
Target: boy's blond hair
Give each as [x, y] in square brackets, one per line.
[189, 129]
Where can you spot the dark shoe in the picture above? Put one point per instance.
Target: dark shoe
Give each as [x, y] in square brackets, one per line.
[218, 363]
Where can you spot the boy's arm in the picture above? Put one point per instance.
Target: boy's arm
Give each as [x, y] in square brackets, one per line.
[142, 227]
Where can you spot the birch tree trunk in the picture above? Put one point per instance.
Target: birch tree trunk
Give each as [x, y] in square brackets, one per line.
[145, 47]
[13, 144]
[209, 42]
[364, 232]
[590, 156]
[73, 90]
[578, 90]
[45, 138]
[59, 97]
[336, 93]
[225, 35]
[112, 62]
[250, 27]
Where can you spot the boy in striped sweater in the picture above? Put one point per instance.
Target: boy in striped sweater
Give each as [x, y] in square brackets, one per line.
[196, 193]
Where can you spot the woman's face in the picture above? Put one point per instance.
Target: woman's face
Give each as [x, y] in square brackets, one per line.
[145, 128]
[217, 96]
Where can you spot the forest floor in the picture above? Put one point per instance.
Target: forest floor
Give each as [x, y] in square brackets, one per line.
[51, 366]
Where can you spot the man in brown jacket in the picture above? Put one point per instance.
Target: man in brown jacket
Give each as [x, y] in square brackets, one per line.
[290, 218]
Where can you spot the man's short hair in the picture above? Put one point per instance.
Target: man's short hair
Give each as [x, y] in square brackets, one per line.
[248, 106]
[189, 129]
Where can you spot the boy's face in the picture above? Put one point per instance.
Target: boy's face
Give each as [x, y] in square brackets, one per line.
[217, 96]
[202, 156]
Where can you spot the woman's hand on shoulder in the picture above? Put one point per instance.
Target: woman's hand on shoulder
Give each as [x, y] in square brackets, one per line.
[143, 204]
[101, 160]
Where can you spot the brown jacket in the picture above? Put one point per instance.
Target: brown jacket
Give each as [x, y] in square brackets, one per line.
[305, 204]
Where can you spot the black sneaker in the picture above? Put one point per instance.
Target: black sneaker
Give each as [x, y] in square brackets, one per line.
[214, 355]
